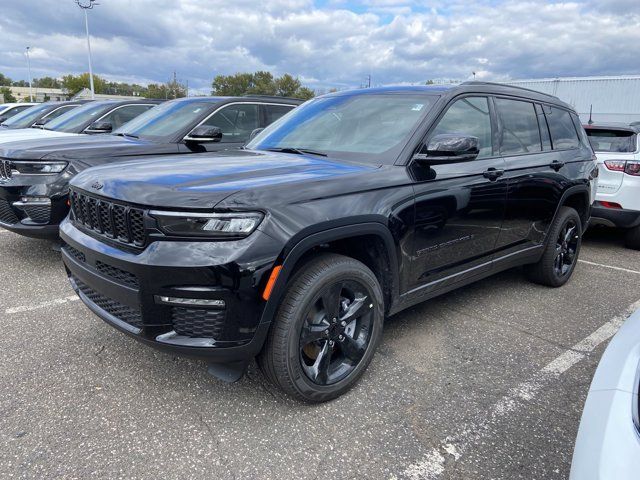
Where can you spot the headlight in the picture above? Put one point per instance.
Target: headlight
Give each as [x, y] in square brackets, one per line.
[37, 168]
[212, 225]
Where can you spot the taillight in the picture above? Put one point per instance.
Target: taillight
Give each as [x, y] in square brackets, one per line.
[615, 165]
[633, 168]
[630, 168]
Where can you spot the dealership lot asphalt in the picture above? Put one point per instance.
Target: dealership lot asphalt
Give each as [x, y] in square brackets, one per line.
[461, 388]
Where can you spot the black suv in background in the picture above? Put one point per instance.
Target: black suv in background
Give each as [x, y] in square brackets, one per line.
[38, 115]
[352, 208]
[35, 174]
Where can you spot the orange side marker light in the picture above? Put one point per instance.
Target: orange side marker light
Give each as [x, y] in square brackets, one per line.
[271, 282]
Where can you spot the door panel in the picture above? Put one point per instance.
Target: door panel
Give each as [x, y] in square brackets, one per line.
[459, 206]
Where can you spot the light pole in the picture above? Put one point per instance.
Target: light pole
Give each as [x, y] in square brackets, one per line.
[29, 68]
[88, 5]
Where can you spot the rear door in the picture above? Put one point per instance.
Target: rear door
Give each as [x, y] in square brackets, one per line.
[534, 170]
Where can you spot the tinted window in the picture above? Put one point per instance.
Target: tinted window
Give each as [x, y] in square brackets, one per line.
[563, 132]
[236, 121]
[27, 117]
[274, 112]
[612, 140]
[369, 127]
[469, 116]
[122, 115]
[75, 120]
[520, 133]
[544, 128]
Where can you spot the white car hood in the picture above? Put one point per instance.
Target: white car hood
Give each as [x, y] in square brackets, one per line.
[20, 134]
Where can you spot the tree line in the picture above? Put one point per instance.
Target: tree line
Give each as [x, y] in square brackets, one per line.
[258, 83]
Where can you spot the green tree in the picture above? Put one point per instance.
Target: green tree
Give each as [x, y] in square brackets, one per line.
[7, 96]
[21, 83]
[46, 82]
[5, 81]
[171, 89]
[429, 82]
[75, 83]
[259, 83]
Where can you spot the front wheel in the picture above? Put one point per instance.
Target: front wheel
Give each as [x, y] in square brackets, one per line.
[326, 330]
[561, 251]
[632, 239]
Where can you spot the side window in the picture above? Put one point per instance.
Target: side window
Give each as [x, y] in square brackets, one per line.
[274, 112]
[59, 111]
[469, 116]
[563, 132]
[544, 128]
[520, 132]
[236, 122]
[122, 115]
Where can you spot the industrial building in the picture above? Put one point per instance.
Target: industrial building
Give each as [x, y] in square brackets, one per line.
[613, 99]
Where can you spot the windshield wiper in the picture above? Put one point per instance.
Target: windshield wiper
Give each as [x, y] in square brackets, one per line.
[297, 151]
[125, 135]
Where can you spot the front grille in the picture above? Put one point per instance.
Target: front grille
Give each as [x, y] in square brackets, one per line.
[117, 274]
[5, 169]
[117, 222]
[75, 253]
[38, 213]
[7, 215]
[198, 322]
[118, 310]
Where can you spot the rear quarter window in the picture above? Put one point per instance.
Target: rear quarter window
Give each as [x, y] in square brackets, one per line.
[563, 132]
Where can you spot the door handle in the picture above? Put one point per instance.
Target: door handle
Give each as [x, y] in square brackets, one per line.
[557, 165]
[493, 174]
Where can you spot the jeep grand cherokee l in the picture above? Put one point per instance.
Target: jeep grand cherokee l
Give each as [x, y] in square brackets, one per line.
[351, 208]
[34, 175]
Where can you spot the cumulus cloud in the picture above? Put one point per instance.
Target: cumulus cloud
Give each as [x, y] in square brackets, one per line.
[326, 43]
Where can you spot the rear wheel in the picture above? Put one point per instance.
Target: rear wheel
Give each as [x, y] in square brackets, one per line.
[632, 239]
[326, 330]
[561, 252]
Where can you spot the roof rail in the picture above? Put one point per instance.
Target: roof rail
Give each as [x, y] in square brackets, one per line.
[271, 97]
[509, 86]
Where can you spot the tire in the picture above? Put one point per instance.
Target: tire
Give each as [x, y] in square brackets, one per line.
[546, 271]
[632, 239]
[288, 361]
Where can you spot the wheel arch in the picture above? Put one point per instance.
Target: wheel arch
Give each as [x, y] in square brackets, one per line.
[340, 239]
[579, 198]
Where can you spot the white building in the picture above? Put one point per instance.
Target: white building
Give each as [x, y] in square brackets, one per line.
[39, 94]
[614, 99]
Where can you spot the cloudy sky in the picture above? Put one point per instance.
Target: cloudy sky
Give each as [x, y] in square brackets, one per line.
[326, 43]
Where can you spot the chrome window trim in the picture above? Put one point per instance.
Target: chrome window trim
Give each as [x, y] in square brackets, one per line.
[115, 109]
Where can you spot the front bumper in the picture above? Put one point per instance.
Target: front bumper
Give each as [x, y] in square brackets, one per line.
[611, 217]
[123, 288]
[38, 220]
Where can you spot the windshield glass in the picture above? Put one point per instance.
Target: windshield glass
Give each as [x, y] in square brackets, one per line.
[77, 119]
[165, 120]
[362, 126]
[621, 141]
[28, 117]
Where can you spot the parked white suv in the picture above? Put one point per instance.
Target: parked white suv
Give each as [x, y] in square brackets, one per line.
[618, 196]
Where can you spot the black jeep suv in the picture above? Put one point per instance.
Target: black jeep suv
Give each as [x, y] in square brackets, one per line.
[352, 208]
[35, 174]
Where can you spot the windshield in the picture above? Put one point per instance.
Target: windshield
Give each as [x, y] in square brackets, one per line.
[28, 117]
[165, 120]
[620, 141]
[363, 126]
[77, 119]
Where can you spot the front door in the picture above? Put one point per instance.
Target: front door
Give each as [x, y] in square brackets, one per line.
[459, 206]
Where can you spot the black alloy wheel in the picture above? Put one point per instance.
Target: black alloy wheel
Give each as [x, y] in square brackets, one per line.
[566, 248]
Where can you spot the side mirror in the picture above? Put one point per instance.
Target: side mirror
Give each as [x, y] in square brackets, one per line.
[41, 123]
[3, 118]
[255, 133]
[204, 134]
[449, 148]
[99, 127]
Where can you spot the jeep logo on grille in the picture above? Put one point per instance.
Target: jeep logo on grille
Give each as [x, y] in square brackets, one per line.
[97, 185]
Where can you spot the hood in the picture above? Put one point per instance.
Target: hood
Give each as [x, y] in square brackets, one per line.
[20, 134]
[84, 150]
[200, 181]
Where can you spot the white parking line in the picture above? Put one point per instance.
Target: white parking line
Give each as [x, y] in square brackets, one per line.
[49, 303]
[611, 267]
[432, 466]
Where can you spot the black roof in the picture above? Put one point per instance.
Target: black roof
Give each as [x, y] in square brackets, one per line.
[491, 87]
